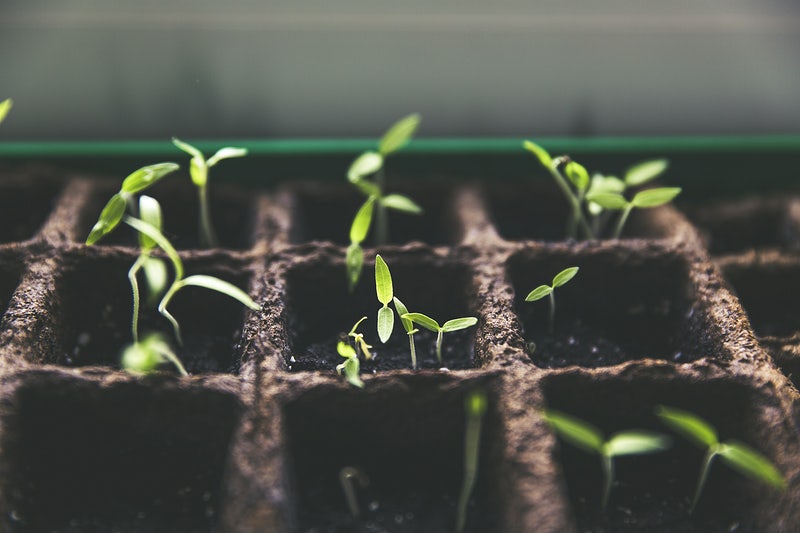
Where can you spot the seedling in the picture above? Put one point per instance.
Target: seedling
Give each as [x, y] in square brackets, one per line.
[143, 357]
[549, 290]
[348, 477]
[475, 407]
[198, 169]
[5, 107]
[371, 163]
[408, 325]
[642, 200]
[738, 456]
[383, 288]
[358, 339]
[588, 438]
[351, 366]
[430, 324]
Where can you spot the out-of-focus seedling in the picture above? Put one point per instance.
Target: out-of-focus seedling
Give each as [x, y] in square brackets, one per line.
[475, 407]
[588, 438]
[408, 325]
[351, 366]
[349, 476]
[645, 199]
[738, 456]
[385, 292]
[368, 164]
[5, 107]
[198, 169]
[549, 290]
[430, 324]
[143, 357]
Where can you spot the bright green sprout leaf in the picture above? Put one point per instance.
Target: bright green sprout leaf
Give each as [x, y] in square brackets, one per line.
[188, 148]
[689, 425]
[401, 309]
[354, 260]
[385, 323]
[362, 221]
[150, 212]
[351, 368]
[636, 443]
[364, 165]
[220, 286]
[5, 107]
[564, 276]
[577, 174]
[109, 219]
[158, 237]
[538, 293]
[145, 177]
[576, 431]
[459, 323]
[645, 171]
[144, 357]
[345, 350]
[155, 272]
[608, 200]
[539, 152]
[423, 320]
[401, 203]
[751, 463]
[399, 134]
[228, 152]
[655, 197]
[383, 281]
[353, 330]
[606, 184]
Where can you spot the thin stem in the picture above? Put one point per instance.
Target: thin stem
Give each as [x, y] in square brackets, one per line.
[552, 321]
[413, 350]
[471, 449]
[439, 345]
[572, 226]
[162, 308]
[172, 358]
[346, 477]
[572, 199]
[134, 270]
[622, 219]
[701, 481]
[208, 237]
[608, 472]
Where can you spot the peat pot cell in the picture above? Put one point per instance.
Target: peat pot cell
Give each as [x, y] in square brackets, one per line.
[654, 492]
[326, 214]
[620, 306]
[79, 457]
[233, 214]
[538, 211]
[96, 305]
[25, 208]
[410, 446]
[321, 311]
[10, 273]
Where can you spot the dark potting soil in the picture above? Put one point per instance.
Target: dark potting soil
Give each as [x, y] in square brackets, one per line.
[23, 210]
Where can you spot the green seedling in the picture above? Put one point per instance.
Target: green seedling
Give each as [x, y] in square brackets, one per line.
[646, 199]
[198, 169]
[738, 456]
[358, 339]
[351, 366]
[5, 107]
[475, 407]
[588, 438]
[549, 290]
[143, 357]
[385, 292]
[430, 324]
[371, 163]
[348, 477]
[408, 325]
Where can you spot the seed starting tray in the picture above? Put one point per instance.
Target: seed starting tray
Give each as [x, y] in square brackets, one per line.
[254, 439]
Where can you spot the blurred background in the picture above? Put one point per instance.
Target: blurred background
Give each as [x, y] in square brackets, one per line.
[107, 69]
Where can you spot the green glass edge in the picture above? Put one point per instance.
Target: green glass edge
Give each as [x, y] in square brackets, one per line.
[476, 146]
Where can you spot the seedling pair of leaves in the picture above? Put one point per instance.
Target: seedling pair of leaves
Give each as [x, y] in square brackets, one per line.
[591, 197]
[562, 278]
[352, 366]
[377, 202]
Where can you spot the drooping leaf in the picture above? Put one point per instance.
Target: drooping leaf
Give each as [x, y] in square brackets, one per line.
[150, 212]
[636, 442]
[401, 203]
[459, 323]
[354, 260]
[689, 425]
[362, 221]
[401, 309]
[385, 323]
[564, 276]
[399, 134]
[577, 174]
[655, 197]
[539, 152]
[228, 152]
[575, 431]
[345, 350]
[364, 165]
[158, 237]
[538, 293]
[144, 177]
[5, 107]
[221, 286]
[110, 217]
[751, 463]
[608, 200]
[645, 171]
[423, 320]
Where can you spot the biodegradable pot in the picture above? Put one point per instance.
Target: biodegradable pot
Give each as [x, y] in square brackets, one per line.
[254, 440]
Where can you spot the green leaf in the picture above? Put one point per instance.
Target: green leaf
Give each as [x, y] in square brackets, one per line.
[399, 134]
[144, 177]
[351, 368]
[155, 272]
[198, 170]
[564, 276]
[751, 463]
[577, 174]
[383, 281]
[188, 148]
[538, 293]
[228, 152]
[645, 171]
[610, 184]
[353, 330]
[459, 323]
[689, 425]
[364, 165]
[345, 350]
[5, 107]
[423, 320]
[221, 286]
[401, 309]
[150, 212]
[109, 219]
[575, 431]
[354, 260]
[636, 443]
[608, 200]
[140, 358]
[158, 237]
[385, 323]
[399, 202]
[362, 221]
[539, 152]
[655, 197]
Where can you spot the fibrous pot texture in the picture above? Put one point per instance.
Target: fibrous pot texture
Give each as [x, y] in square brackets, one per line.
[685, 311]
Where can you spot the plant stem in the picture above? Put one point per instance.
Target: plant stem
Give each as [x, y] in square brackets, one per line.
[346, 477]
[382, 216]
[162, 308]
[701, 480]
[471, 449]
[608, 472]
[134, 270]
[413, 351]
[573, 201]
[439, 345]
[207, 236]
[622, 219]
[551, 324]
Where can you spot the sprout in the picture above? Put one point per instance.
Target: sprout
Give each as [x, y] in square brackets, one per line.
[383, 288]
[143, 357]
[5, 107]
[351, 366]
[358, 339]
[590, 439]
[408, 325]
[549, 290]
[347, 475]
[475, 407]
[643, 200]
[198, 169]
[431, 325]
[737, 455]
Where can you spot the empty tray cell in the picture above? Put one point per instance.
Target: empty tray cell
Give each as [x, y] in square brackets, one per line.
[654, 492]
[233, 212]
[408, 442]
[325, 213]
[623, 304]
[25, 205]
[320, 311]
[754, 222]
[85, 457]
[96, 302]
[537, 210]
